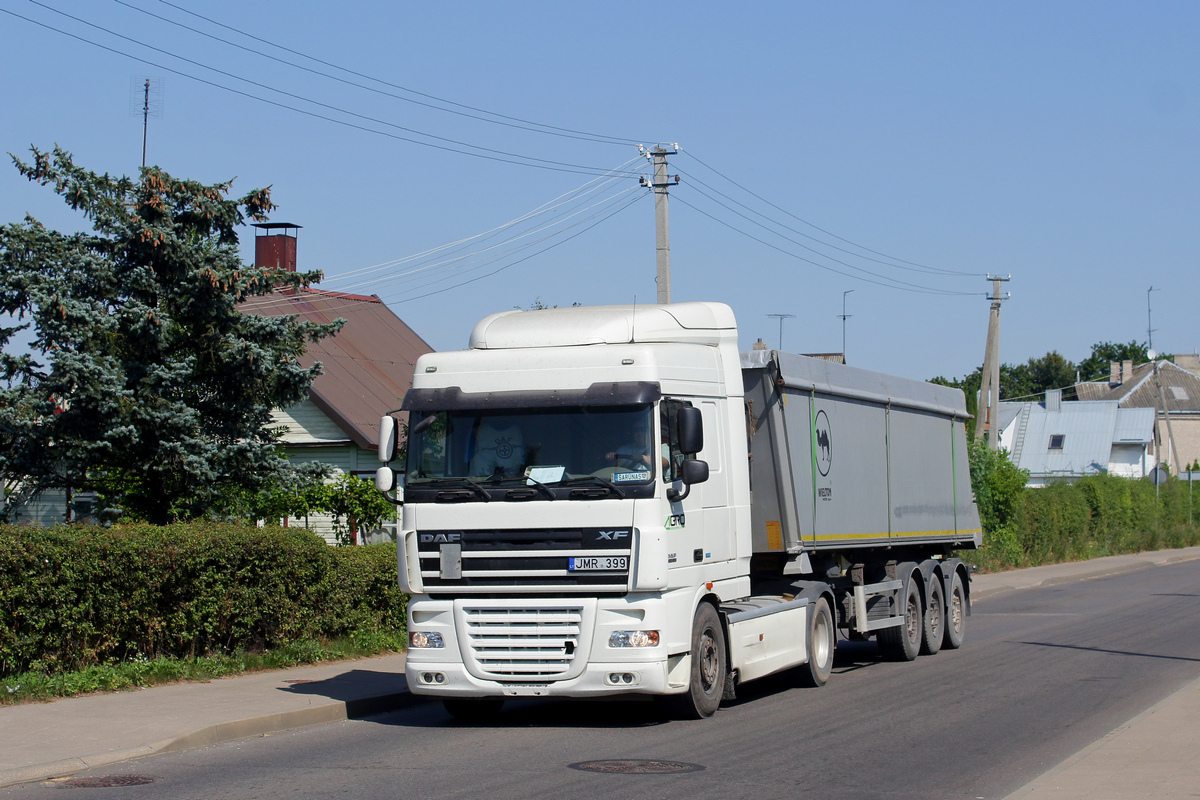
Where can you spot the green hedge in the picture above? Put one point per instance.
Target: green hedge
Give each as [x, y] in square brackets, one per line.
[1098, 515]
[72, 597]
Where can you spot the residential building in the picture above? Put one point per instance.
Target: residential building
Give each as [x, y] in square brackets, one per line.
[1173, 393]
[1057, 441]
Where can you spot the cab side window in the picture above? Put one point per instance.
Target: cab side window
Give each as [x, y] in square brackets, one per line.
[672, 456]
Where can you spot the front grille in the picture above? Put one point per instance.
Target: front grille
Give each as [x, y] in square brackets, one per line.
[526, 643]
[533, 559]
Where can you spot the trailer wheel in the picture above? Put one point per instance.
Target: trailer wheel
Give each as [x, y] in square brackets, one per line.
[473, 709]
[956, 615]
[706, 683]
[935, 618]
[903, 642]
[822, 638]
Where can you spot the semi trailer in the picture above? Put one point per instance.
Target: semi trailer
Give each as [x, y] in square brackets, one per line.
[615, 500]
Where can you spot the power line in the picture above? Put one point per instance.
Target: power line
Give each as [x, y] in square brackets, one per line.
[545, 208]
[512, 158]
[454, 264]
[406, 276]
[635, 198]
[692, 180]
[501, 119]
[889, 283]
[398, 297]
[828, 233]
[801, 244]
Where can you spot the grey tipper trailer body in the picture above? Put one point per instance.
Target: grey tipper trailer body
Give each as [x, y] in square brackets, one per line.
[861, 490]
[843, 458]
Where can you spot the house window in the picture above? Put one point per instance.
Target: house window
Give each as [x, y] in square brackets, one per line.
[1056, 441]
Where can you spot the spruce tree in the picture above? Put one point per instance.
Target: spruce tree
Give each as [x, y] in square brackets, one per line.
[143, 380]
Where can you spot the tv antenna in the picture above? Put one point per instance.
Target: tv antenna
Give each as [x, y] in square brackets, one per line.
[781, 318]
[146, 100]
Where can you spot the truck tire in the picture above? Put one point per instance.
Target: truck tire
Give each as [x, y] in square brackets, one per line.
[706, 683]
[821, 640]
[473, 709]
[935, 618]
[903, 642]
[956, 615]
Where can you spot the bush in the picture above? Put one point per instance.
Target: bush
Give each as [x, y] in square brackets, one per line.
[74, 597]
[1097, 515]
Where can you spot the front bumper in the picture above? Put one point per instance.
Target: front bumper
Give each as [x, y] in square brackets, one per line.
[553, 647]
[595, 681]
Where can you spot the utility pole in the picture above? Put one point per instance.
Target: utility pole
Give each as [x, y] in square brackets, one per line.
[659, 183]
[844, 317]
[1158, 387]
[781, 318]
[987, 414]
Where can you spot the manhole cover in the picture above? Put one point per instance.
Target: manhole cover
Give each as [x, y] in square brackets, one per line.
[636, 767]
[108, 781]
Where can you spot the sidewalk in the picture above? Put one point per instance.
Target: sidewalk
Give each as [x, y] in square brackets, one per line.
[1152, 755]
[48, 740]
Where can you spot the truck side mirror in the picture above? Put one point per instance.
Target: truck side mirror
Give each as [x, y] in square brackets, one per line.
[387, 438]
[691, 471]
[691, 430]
[386, 480]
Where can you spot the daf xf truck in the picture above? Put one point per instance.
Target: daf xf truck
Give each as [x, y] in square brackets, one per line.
[612, 500]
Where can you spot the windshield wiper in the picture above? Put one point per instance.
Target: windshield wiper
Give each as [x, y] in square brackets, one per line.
[475, 488]
[595, 479]
[525, 480]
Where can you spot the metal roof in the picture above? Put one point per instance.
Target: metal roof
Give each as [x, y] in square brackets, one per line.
[368, 364]
[1134, 425]
[1089, 429]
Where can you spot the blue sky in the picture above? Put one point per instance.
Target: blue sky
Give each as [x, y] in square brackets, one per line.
[1053, 141]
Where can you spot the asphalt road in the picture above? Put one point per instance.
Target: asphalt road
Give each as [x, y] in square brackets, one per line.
[1044, 672]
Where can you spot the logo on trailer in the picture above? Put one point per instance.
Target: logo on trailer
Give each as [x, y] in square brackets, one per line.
[822, 442]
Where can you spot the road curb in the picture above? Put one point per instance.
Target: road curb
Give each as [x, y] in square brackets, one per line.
[1146, 559]
[217, 734]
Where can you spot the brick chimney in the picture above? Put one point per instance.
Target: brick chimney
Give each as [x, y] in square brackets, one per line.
[274, 246]
[1120, 371]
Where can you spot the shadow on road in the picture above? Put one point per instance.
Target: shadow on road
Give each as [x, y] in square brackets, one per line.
[1111, 652]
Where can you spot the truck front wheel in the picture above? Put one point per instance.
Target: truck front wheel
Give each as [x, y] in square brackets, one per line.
[706, 681]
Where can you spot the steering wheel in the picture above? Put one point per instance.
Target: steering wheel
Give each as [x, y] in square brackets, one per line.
[629, 460]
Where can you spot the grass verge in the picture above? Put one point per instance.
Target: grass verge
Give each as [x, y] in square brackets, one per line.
[35, 685]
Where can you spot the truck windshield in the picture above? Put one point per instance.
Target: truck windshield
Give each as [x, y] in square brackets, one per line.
[533, 446]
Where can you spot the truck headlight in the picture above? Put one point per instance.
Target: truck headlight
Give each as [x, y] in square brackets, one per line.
[422, 639]
[633, 639]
